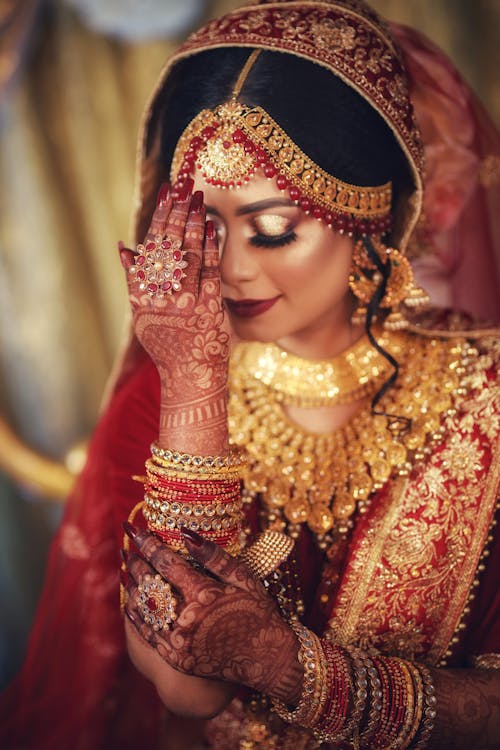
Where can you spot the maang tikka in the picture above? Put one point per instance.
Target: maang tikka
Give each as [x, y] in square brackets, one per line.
[229, 143]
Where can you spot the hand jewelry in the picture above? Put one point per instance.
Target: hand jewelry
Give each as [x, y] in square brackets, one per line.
[159, 266]
[156, 602]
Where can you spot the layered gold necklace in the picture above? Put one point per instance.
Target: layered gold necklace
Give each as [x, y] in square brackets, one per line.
[322, 479]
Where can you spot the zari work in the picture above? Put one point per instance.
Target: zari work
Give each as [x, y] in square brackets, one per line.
[416, 555]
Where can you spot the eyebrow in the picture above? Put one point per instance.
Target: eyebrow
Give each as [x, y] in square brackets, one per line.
[255, 207]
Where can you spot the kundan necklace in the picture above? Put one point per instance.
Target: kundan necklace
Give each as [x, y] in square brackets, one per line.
[322, 479]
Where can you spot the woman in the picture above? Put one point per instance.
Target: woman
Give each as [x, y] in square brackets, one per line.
[369, 445]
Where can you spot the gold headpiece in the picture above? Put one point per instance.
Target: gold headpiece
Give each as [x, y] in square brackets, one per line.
[228, 144]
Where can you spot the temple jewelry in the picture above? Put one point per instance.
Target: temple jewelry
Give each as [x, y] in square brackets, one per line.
[365, 278]
[156, 602]
[322, 479]
[267, 553]
[296, 381]
[159, 266]
[228, 144]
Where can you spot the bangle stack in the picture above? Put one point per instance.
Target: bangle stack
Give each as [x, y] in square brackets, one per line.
[370, 701]
[315, 683]
[201, 493]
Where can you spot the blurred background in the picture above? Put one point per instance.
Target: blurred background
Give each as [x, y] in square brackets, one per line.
[74, 77]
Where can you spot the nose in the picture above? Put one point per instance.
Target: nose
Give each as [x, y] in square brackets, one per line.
[237, 262]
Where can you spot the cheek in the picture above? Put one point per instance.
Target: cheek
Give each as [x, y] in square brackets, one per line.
[322, 266]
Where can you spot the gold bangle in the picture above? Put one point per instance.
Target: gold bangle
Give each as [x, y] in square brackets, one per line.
[314, 687]
[167, 458]
[178, 473]
[429, 709]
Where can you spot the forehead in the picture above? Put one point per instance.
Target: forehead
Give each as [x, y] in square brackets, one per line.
[257, 189]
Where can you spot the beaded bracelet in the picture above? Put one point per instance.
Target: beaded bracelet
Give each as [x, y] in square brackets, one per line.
[334, 714]
[375, 706]
[314, 692]
[419, 701]
[351, 727]
[429, 712]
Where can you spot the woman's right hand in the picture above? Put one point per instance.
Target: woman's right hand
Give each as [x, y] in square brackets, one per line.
[184, 331]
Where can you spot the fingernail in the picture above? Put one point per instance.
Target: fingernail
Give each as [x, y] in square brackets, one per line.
[124, 555]
[186, 189]
[197, 202]
[130, 530]
[130, 617]
[163, 194]
[210, 230]
[121, 246]
[192, 536]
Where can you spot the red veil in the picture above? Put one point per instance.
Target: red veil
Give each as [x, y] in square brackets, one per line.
[77, 688]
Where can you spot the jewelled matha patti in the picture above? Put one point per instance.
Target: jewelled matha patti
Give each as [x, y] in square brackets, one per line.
[229, 143]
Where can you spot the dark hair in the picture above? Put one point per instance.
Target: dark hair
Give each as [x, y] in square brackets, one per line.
[326, 118]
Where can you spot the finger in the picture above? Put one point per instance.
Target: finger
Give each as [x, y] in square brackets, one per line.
[127, 256]
[162, 211]
[217, 561]
[169, 564]
[157, 603]
[132, 611]
[176, 222]
[137, 568]
[210, 271]
[193, 242]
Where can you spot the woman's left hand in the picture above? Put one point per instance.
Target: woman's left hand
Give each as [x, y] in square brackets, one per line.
[227, 625]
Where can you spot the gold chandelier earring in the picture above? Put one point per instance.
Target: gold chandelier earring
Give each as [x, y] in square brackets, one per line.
[365, 278]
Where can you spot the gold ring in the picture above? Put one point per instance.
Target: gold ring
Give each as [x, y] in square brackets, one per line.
[157, 603]
[159, 266]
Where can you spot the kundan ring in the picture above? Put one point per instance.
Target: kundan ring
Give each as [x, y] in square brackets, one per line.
[156, 602]
[159, 266]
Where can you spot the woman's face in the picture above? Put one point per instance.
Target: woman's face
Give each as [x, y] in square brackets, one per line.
[284, 274]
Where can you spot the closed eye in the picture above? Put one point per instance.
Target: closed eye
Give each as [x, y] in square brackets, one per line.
[266, 240]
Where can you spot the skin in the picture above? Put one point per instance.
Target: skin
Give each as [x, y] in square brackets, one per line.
[228, 627]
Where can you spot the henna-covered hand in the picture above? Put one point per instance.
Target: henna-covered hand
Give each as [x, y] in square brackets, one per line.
[468, 709]
[227, 626]
[185, 332]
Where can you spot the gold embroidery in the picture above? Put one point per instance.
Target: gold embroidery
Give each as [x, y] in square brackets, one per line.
[334, 34]
[422, 573]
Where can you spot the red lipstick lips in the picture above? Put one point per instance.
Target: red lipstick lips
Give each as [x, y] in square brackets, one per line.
[249, 308]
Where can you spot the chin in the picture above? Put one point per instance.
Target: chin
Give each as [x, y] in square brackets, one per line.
[252, 332]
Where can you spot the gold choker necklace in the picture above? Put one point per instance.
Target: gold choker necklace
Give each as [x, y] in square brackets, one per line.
[322, 479]
[352, 375]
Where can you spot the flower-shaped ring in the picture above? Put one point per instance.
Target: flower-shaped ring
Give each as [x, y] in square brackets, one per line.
[156, 602]
[159, 266]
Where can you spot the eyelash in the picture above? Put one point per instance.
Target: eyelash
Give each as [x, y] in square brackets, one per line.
[265, 240]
